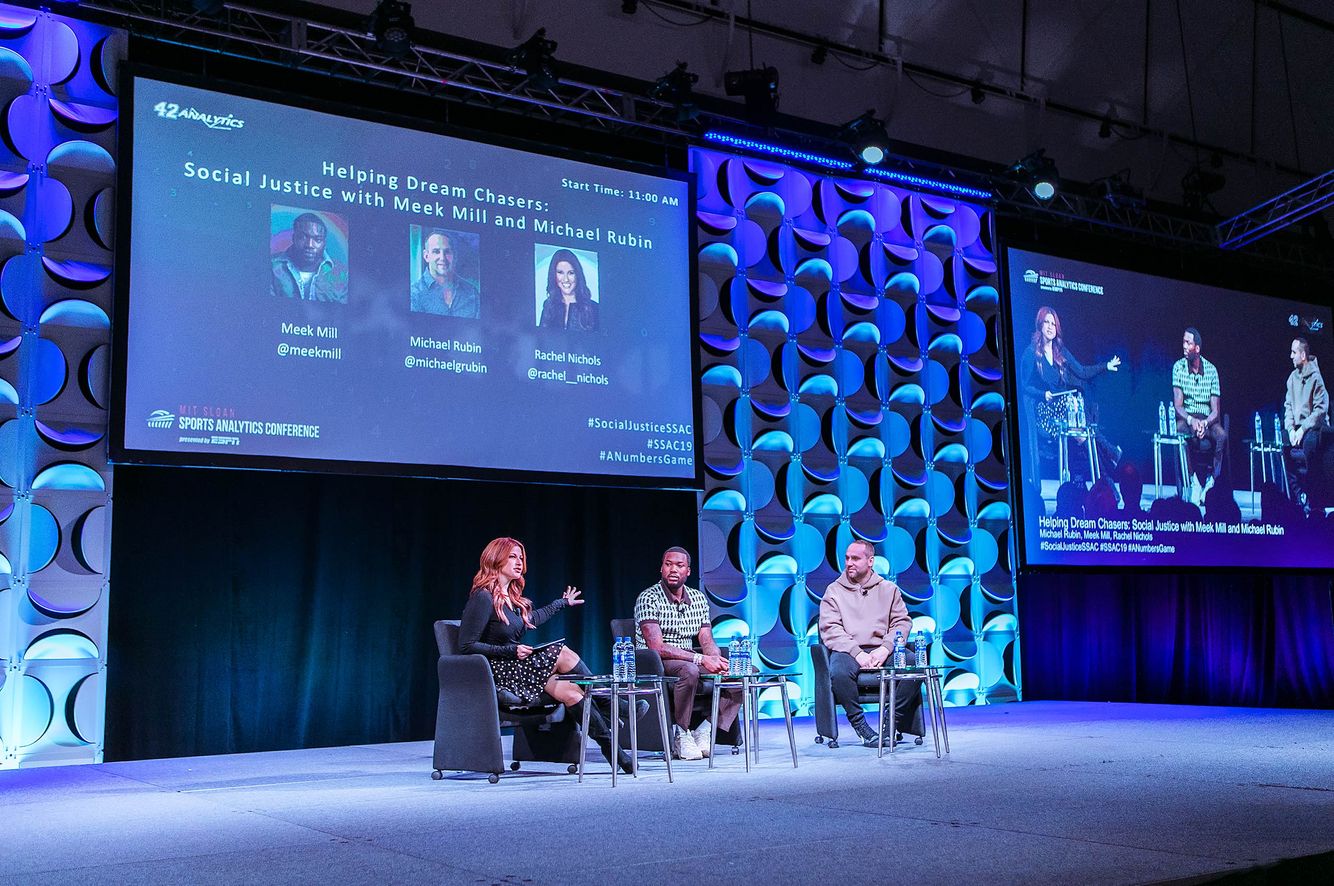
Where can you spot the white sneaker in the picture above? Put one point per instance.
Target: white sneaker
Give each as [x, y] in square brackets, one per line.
[684, 746]
[701, 733]
[1208, 484]
[1195, 494]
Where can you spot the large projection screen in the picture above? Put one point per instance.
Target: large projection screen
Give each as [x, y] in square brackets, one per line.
[1111, 474]
[322, 292]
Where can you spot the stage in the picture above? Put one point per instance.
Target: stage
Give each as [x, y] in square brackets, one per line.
[1038, 791]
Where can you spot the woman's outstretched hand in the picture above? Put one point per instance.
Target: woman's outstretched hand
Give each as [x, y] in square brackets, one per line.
[1113, 364]
[571, 596]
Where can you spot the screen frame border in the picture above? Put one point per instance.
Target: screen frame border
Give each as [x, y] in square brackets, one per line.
[119, 454]
[1196, 275]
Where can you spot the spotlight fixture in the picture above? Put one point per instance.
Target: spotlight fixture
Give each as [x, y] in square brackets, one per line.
[1198, 184]
[1038, 171]
[866, 137]
[629, 7]
[759, 87]
[534, 55]
[1117, 190]
[977, 94]
[819, 53]
[677, 87]
[392, 27]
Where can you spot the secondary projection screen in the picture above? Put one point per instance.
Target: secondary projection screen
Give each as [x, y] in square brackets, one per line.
[1157, 429]
[322, 292]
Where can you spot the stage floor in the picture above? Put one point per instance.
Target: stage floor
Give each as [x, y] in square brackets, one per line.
[1037, 792]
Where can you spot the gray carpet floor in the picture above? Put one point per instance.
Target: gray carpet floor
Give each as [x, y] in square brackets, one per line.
[1035, 792]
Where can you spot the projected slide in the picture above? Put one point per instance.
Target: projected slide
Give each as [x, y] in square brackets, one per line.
[312, 287]
[1168, 424]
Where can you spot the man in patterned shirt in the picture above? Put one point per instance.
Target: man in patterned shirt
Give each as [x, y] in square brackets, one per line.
[1198, 401]
[670, 619]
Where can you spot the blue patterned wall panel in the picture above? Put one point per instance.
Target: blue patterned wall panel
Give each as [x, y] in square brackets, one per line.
[57, 172]
[851, 389]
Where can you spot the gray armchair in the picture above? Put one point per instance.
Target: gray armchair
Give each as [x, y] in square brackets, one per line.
[868, 693]
[649, 662]
[470, 714]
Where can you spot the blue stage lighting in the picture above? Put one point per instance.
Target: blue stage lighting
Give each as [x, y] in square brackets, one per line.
[902, 178]
[759, 147]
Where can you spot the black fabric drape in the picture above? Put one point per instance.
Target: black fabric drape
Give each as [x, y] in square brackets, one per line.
[259, 611]
[1199, 639]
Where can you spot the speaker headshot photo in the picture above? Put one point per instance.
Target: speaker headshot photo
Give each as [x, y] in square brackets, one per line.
[308, 254]
[445, 266]
[567, 288]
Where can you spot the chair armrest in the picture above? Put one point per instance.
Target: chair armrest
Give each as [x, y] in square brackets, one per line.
[466, 684]
[826, 716]
[467, 717]
[647, 661]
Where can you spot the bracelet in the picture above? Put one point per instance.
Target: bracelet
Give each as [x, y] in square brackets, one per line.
[698, 658]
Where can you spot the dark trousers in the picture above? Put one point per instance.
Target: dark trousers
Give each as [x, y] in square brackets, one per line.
[1206, 451]
[843, 669]
[1300, 458]
[683, 695]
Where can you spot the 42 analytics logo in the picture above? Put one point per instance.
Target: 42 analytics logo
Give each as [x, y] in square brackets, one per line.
[173, 111]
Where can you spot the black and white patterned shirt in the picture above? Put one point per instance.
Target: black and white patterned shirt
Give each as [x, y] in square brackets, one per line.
[680, 623]
[1196, 387]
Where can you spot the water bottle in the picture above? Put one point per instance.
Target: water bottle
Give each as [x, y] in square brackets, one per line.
[629, 666]
[745, 655]
[1162, 418]
[618, 660]
[1069, 411]
[900, 659]
[734, 657]
[1278, 431]
[919, 648]
[1259, 431]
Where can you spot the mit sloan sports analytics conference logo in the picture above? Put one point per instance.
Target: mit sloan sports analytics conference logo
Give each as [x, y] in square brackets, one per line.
[173, 111]
[161, 418]
[1057, 282]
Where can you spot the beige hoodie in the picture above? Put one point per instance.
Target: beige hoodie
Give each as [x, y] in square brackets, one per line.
[853, 616]
[1307, 403]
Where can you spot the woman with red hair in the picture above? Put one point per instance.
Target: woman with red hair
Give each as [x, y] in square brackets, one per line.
[1047, 370]
[494, 622]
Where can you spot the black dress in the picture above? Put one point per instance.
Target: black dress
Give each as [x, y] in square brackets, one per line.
[482, 631]
[1037, 376]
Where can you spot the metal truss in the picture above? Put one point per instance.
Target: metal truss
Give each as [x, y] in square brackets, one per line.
[303, 43]
[1128, 215]
[315, 41]
[1306, 199]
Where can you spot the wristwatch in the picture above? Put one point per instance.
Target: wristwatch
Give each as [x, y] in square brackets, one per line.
[698, 658]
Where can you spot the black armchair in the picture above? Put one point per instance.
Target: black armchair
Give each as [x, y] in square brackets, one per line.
[470, 715]
[868, 692]
[649, 662]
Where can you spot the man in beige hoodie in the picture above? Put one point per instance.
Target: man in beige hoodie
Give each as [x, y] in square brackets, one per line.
[1306, 418]
[859, 617]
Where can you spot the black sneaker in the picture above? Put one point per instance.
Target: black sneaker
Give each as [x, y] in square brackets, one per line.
[870, 738]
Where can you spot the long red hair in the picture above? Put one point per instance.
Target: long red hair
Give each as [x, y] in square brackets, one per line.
[494, 555]
[1057, 346]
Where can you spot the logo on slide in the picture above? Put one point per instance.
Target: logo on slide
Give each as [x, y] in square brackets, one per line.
[173, 111]
[161, 418]
[1056, 281]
